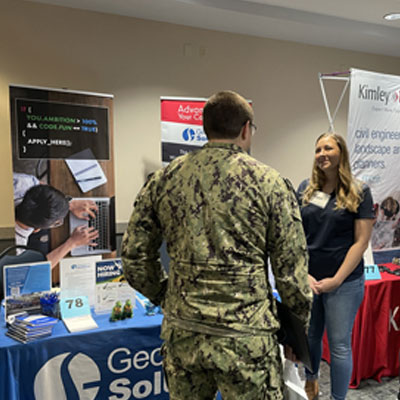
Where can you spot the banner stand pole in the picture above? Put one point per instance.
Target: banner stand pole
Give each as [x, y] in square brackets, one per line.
[333, 76]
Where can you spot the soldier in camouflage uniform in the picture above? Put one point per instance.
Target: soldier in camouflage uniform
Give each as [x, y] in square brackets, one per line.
[222, 214]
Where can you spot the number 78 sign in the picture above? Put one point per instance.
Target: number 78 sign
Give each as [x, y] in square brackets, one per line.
[74, 307]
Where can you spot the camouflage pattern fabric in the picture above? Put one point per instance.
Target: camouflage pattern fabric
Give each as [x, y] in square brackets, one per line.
[222, 213]
[197, 365]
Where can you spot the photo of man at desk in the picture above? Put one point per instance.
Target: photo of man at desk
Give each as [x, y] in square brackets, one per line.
[39, 207]
[80, 166]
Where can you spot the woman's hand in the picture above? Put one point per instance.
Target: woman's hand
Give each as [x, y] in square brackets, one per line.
[327, 285]
[312, 282]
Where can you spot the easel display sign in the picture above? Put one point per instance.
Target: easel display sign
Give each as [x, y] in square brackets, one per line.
[77, 277]
[62, 149]
[111, 286]
[23, 286]
[26, 278]
[372, 273]
[76, 315]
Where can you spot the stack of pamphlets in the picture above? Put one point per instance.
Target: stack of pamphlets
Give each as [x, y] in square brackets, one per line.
[26, 328]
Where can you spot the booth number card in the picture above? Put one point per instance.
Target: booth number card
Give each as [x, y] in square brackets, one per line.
[372, 272]
[75, 312]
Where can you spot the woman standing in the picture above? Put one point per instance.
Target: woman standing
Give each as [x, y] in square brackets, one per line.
[337, 213]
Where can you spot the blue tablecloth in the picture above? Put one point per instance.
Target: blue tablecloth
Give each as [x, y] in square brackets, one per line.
[119, 360]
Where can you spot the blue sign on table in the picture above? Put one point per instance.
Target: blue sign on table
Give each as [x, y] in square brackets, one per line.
[372, 272]
[74, 307]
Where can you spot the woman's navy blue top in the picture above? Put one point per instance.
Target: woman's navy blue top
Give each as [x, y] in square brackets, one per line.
[330, 233]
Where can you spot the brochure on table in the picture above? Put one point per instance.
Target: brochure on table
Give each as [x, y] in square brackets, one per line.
[27, 328]
[111, 285]
[77, 277]
[23, 285]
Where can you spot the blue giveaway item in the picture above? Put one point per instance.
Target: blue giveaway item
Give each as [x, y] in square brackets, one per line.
[49, 304]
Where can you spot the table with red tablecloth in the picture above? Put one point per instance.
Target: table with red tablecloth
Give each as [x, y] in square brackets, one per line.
[376, 331]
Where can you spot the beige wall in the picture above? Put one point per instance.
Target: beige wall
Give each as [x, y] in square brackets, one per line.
[138, 61]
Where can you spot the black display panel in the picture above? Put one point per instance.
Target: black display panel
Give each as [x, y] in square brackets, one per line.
[172, 150]
[55, 130]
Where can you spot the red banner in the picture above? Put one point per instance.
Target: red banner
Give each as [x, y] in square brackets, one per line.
[182, 111]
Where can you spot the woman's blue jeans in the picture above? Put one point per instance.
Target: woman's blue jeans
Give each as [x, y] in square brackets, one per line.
[336, 311]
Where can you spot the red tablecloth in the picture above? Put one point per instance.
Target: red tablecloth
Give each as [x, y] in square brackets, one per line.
[376, 332]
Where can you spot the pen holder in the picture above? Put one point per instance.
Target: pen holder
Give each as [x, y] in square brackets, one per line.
[50, 305]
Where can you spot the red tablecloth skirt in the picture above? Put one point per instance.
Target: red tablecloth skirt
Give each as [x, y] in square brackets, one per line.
[376, 331]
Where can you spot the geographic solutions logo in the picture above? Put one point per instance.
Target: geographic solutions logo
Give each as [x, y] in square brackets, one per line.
[85, 378]
[192, 135]
[82, 370]
[188, 134]
[80, 266]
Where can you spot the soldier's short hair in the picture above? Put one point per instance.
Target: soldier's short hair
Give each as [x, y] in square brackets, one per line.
[224, 115]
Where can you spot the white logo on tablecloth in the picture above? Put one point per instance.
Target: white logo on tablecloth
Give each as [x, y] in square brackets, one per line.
[392, 315]
[82, 370]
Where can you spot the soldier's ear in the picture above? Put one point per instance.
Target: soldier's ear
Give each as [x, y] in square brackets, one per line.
[245, 131]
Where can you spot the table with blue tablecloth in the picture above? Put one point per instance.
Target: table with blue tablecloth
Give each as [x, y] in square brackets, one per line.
[119, 360]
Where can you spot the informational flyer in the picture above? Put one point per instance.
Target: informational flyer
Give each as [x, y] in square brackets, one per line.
[78, 278]
[23, 286]
[26, 278]
[111, 286]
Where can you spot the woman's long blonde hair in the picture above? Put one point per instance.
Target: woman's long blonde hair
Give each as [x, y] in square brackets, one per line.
[348, 189]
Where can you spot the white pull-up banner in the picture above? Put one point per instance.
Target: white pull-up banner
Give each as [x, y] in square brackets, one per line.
[374, 144]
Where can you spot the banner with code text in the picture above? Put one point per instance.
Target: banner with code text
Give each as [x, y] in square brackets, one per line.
[374, 145]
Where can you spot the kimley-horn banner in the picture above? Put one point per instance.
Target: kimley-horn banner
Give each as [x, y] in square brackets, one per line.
[181, 126]
[374, 145]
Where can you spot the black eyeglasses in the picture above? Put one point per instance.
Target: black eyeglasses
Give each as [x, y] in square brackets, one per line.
[253, 128]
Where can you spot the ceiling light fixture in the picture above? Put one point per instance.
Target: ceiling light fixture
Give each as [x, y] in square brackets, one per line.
[392, 16]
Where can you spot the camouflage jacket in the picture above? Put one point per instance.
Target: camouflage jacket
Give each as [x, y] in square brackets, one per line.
[222, 214]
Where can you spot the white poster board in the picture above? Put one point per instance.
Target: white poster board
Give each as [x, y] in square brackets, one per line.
[78, 278]
[111, 285]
